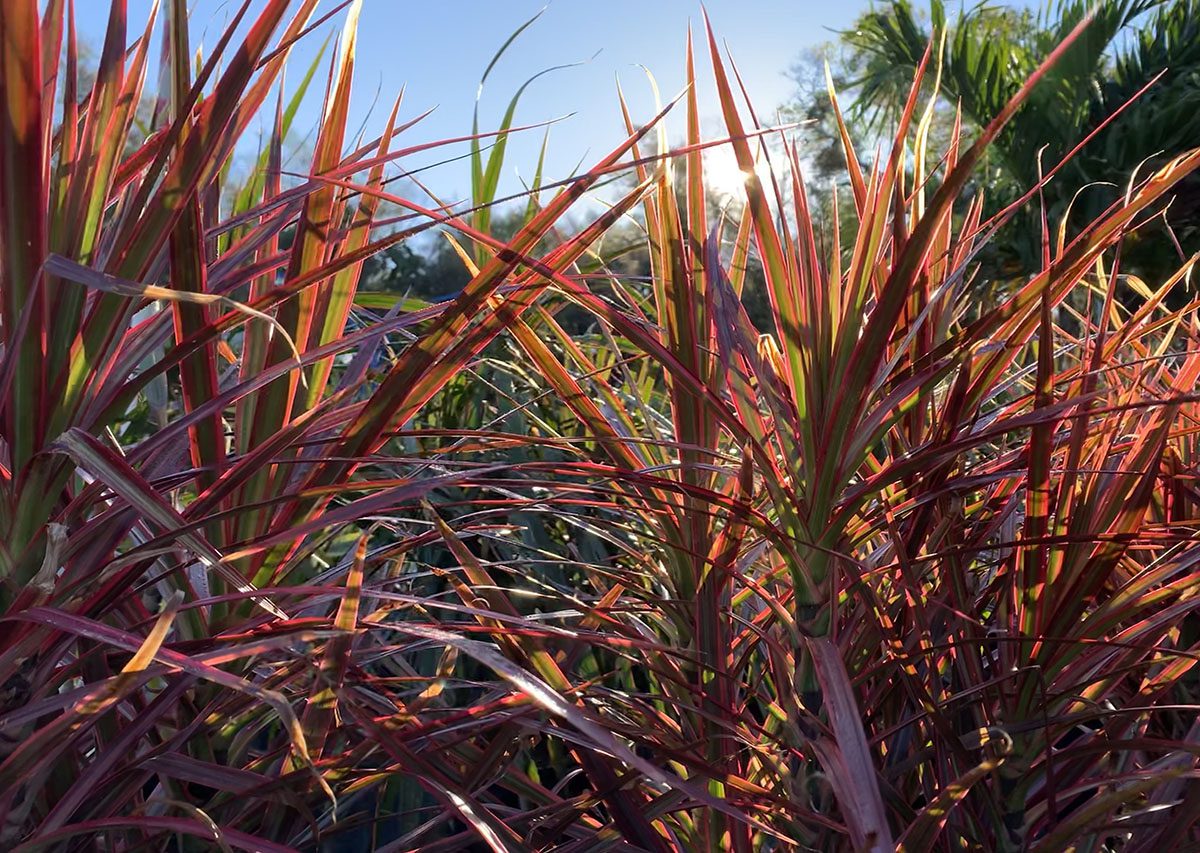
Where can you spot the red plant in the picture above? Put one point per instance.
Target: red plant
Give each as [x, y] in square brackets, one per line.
[908, 570]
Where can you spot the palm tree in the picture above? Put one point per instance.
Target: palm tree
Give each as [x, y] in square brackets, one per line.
[989, 53]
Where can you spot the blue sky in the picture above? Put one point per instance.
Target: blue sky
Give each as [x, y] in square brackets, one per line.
[439, 50]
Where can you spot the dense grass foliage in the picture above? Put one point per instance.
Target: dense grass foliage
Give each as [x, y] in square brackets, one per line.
[290, 566]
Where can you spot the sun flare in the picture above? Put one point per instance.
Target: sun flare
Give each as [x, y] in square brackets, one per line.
[725, 178]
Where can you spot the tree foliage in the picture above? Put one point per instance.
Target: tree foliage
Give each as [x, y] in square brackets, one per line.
[1126, 94]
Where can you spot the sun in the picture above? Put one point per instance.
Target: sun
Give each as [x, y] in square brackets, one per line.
[725, 178]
